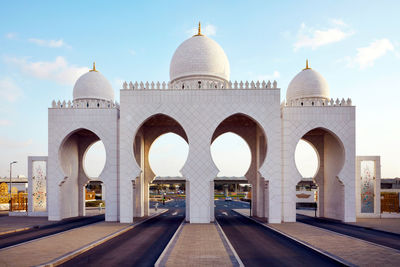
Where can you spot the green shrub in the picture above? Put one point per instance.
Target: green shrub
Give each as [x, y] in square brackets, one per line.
[95, 203]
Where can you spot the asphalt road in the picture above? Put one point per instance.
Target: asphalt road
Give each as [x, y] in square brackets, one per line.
[140, 246]
[64, 225]
[259, 246]
[374, 236]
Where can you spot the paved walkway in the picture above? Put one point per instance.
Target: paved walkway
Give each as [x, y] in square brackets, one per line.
[350, 249]
[18, 223]
[49, 248]
[199, 245]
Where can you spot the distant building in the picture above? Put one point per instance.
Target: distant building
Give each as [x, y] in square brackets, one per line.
[20, 182]
[390, 183]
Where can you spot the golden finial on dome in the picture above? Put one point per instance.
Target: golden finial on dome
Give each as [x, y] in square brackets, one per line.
[306, 68]
[199, 31]
[94, 67]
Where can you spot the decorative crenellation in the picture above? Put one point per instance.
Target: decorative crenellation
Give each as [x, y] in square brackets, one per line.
[309, 102]
[85, 103]
[199, 84]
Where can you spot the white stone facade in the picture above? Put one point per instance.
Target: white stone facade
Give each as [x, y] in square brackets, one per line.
[199, 104]
[334, 140]
[66, 178]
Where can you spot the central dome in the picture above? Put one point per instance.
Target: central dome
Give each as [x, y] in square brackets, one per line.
[199, 57]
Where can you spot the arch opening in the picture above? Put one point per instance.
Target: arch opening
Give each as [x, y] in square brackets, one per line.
[307, 163]
[306, 158]
[323, 192]
[167, 155]
[77, 169]
[160, 149]
[94, 160]
[238, 149]
[231, 154]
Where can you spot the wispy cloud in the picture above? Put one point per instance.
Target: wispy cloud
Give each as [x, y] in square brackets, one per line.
[314, 38]
[207, 29]
[11, 35]
[4, 122]
[366, 56]
[339, 22]
[132, 52]
[265, 77]
[48, 43]
[58, 70]
[9, 90]
[11, 143]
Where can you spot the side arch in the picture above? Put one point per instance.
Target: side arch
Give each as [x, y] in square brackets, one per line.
[318, 130]
[70, 157]
[331, 154]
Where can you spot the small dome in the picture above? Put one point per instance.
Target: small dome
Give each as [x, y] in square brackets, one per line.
[93, 85]
[307, 84]
[199, 57]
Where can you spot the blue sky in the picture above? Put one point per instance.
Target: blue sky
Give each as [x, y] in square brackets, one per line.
[46, 45]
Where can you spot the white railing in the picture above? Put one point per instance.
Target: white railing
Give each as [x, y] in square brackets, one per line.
[308, 102]
[84, 103]
[199, 84]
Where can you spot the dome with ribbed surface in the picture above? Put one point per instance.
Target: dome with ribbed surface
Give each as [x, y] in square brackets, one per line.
[199, 57]
[307, 84]
[93, 85]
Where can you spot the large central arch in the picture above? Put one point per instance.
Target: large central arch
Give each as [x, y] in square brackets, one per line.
[251, 131]
[152, 128]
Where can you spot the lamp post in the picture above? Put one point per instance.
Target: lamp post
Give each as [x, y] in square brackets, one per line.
[11, 163]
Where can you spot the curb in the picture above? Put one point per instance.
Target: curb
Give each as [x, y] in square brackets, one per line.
[225, 238]
[73, 254]
[241, 201]
[16, 230]
[320, 251]
[162, 260]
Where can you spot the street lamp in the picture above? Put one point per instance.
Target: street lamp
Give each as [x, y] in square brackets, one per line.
[11, 163]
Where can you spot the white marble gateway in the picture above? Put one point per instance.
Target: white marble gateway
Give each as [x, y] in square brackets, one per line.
[199, 103]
